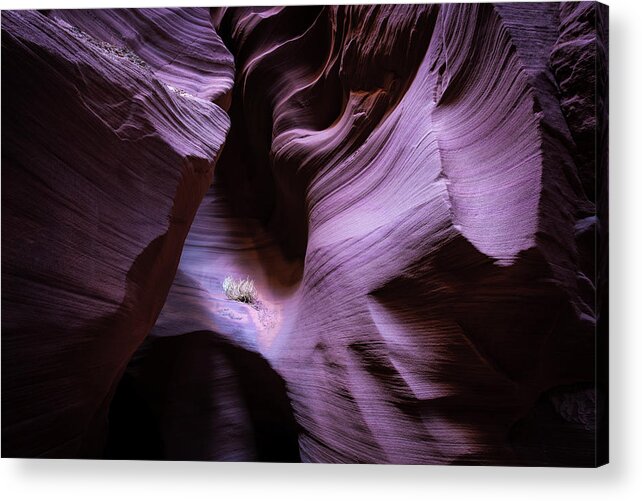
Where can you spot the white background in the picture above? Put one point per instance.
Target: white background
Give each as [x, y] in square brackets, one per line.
[620, 480]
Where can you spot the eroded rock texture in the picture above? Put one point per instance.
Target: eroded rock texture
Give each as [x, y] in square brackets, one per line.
[103, 167]
[412, 188]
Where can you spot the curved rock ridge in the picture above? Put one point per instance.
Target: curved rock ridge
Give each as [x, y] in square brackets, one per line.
[319, 110]
[179, 45]
[103, 169]
[464, 97]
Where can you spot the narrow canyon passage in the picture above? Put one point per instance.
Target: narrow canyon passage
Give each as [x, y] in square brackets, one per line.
[406, 185]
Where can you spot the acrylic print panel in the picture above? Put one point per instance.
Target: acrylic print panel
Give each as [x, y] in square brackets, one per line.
[356, 234]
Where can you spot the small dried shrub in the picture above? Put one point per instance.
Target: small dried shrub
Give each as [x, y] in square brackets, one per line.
[242, 290]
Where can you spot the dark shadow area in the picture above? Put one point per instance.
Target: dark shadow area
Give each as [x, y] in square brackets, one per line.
[196, 397]
[133, 433]
[560, 428]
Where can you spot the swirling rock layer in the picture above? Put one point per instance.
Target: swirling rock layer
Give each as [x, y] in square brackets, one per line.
[412, 189]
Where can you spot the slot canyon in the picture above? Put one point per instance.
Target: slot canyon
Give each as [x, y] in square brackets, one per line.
[418, 193]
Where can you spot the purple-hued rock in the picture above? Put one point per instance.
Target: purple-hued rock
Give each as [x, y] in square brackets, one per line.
[179, 45]
[440, 292]
[407, 185]
[103, 168]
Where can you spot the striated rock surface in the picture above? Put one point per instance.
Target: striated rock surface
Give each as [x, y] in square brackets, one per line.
[409, 186]
[103, 168]
[178, 45]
